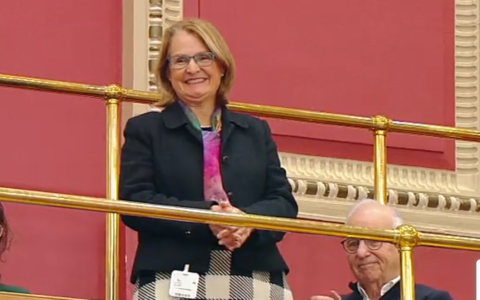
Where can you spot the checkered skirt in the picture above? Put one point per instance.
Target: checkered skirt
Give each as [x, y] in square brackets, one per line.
[220, 282]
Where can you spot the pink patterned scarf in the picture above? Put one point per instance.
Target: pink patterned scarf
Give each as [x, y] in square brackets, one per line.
[212, 178]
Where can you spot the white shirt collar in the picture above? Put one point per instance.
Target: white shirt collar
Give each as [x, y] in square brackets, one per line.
[157, 109]
[385, 288]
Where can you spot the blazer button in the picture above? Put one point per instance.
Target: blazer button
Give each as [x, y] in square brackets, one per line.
[188, 232]
[225, 159]
[229, 194]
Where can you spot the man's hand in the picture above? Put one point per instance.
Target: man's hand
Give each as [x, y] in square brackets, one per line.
[333, 296]
[229, 236]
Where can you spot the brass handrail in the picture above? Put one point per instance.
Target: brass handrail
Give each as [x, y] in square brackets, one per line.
[135, 96]
[16, 296]
[254, 221]
[407, 236]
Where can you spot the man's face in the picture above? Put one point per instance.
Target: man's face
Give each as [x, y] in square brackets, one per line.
[374, 261]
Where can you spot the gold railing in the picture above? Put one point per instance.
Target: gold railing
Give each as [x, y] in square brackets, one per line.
[406, 236]
[15, 296]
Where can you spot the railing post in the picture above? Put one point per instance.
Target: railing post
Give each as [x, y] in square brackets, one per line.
[407, 240]
[381, 125]
[113, 96]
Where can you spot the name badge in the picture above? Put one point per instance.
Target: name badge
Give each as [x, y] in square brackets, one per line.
[184, 284]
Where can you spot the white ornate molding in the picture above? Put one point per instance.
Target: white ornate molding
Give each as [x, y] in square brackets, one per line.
[324, 192]
[153, 16]
[135, 71]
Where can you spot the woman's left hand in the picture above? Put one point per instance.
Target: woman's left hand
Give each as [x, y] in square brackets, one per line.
[234, 239]
[231, 237]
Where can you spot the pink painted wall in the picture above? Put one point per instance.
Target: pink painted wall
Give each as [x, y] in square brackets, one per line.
[363, 58]
[55, 142]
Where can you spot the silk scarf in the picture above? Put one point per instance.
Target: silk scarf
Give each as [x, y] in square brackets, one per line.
[212, 176]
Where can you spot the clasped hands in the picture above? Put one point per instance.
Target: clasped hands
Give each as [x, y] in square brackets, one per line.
[230, 236]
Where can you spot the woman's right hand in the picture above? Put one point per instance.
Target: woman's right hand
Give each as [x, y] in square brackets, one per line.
[229, 236]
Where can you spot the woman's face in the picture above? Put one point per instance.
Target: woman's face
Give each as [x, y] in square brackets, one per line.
[193, 71]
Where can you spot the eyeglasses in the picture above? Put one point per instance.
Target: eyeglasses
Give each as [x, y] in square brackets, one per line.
[202, 59]
[351, 245]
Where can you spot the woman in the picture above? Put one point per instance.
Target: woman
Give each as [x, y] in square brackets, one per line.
[196, 153]
[4, 241]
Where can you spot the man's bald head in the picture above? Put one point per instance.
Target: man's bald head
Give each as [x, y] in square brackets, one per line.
[373, 214]
[373, 263]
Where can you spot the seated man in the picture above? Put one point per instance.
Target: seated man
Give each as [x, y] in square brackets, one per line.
[376, 265]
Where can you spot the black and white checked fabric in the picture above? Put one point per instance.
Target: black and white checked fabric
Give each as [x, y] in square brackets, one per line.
[220, 282]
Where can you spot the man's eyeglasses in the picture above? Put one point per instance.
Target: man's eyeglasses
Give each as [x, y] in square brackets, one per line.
[202, 59]
[351, 245]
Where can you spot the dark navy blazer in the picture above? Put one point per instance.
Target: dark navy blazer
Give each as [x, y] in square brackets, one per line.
[162, 163]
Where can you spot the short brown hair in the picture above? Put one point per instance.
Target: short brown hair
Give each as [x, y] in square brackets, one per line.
[5, 232]
[213, 40]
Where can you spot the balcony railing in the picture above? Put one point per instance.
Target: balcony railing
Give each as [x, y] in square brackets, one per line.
[405, 236]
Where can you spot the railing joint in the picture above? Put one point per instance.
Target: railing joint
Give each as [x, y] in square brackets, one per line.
[381, 123]
[114, 94]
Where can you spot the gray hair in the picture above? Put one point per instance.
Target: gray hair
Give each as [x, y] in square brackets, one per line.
[397, 218]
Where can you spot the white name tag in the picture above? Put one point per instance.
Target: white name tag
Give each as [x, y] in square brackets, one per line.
[184, 284]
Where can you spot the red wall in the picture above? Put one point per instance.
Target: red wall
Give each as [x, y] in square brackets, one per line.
[56, 142]
[353, 57]
[394, 58]
[50, 146]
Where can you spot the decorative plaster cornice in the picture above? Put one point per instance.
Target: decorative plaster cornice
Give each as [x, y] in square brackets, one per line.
[409, 199]
[432, 200]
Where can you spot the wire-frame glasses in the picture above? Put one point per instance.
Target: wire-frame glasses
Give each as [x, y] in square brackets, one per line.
[202, 59]
[351, 245]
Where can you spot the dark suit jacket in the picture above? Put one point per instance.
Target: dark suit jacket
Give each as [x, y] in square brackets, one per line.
[162, 163]
[422, 292]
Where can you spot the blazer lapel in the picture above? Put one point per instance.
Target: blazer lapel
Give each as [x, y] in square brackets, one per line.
[229, 121]
[227, 129]
[174, 117]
